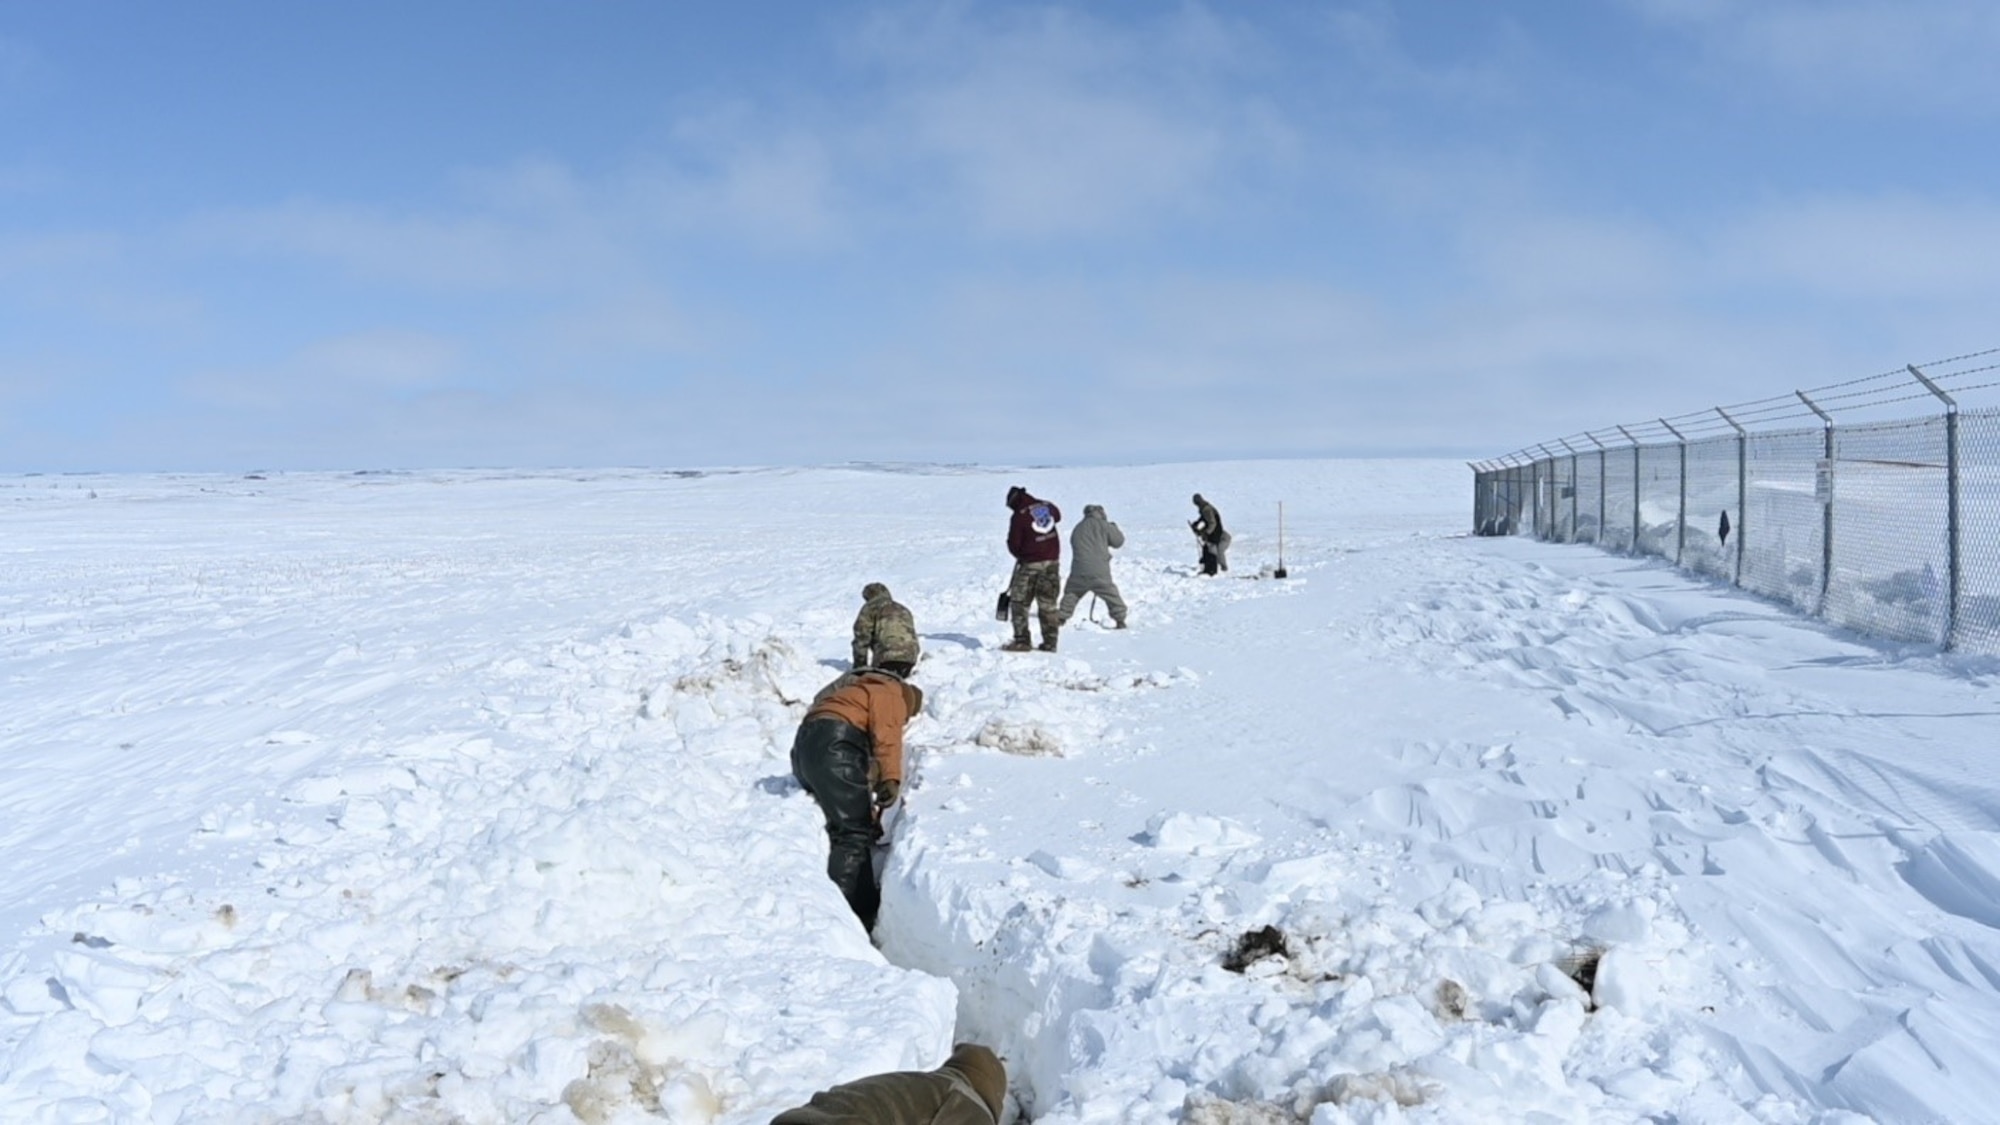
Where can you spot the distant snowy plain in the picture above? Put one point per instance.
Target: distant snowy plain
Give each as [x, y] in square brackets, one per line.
[464, 797]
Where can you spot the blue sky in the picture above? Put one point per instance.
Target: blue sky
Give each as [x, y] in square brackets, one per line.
[360, 235]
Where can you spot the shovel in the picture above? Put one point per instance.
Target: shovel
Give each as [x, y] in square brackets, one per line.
[1281, 572]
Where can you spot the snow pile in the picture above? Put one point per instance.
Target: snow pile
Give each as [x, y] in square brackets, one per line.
[465, 797]
[634, 924]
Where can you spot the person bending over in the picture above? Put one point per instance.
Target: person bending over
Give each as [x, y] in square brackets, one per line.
[848, 754]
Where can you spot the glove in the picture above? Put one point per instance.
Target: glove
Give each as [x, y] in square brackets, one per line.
[886, 792]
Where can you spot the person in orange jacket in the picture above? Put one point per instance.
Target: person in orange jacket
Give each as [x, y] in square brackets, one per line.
[848, 754]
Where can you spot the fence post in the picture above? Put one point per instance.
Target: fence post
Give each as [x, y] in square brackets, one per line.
[1545, 497]
[1523, 497]
[1535, 466]
[1600, 489]
[1826, 508]
[1635, 486]
[1681, 538]
[1478, 491]
[1564, 442]
[1513, 493]
[1951, 484]
[1742, 490]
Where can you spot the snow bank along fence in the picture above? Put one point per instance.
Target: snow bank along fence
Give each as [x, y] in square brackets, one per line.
[1890, 527]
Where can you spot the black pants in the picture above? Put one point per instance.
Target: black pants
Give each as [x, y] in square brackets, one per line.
[830, 758]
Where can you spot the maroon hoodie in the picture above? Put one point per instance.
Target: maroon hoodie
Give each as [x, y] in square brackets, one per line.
[1032, 536]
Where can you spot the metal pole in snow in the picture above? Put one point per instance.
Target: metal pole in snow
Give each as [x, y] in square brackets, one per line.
[1742, 489]
[1826, 518]
[1281, 572]
[1572, 487]
[1600, 487]
[1951, 484]
[1635, 487]
[1681, 541]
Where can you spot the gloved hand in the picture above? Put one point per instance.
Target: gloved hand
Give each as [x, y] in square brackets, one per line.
[886, 792]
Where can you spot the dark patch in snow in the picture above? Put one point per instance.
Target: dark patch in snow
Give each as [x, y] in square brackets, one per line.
[1452, 1000]
[780, 785]
[1254, 946]
[1581, 967]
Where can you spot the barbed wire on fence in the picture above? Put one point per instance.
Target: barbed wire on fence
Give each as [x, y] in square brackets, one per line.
[1849, 396]
[1843, 501]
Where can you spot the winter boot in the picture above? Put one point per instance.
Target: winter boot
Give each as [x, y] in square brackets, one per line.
[1018, 644]
[1048, 641]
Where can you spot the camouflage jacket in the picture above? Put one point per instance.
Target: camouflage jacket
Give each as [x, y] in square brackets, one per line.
[884, 630]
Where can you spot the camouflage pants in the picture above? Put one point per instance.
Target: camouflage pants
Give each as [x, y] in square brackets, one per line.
[1037, 582]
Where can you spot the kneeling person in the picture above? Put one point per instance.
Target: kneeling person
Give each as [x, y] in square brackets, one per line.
[849, 755]
[885, 632]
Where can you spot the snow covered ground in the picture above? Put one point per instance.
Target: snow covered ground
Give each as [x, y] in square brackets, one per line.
[463, 796]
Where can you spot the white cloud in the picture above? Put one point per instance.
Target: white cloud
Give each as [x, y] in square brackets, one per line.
[481, 250]
[389, 359]
[1369, 41]
[639, 322]
[1029, 158]
[335, 373]
[1874, 249]
[772, 183]
[1891, 57]
[1581, 260]
[32, 258]
[1041, 123]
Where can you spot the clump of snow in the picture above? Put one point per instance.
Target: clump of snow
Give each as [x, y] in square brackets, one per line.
[1197, 835]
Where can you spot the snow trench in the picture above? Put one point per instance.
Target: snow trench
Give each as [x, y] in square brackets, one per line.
[588, 890]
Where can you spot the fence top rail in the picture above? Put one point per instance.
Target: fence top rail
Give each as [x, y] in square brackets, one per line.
[1947, 380]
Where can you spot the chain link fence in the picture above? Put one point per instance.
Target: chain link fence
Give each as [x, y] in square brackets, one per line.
[1889, 526]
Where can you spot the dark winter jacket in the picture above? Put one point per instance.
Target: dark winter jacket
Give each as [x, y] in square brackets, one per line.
[967, 1090]
[1031, 535]
[1090, 545]
[1208, 522]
